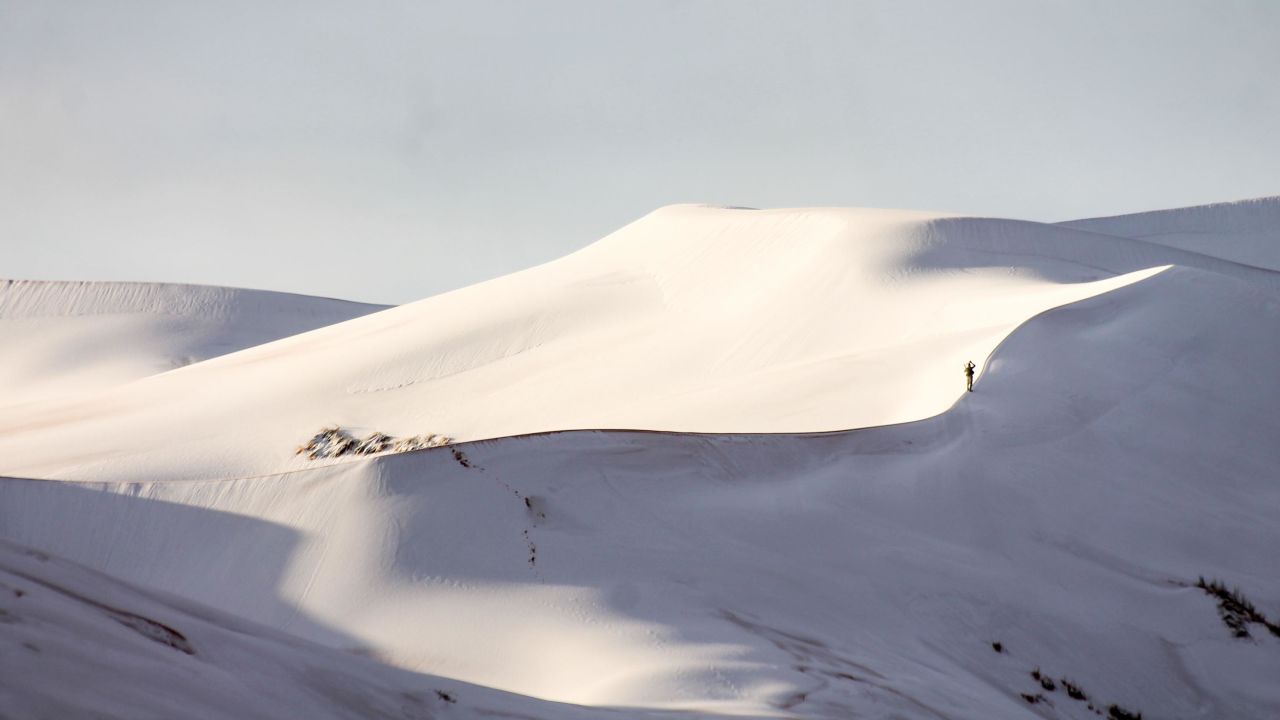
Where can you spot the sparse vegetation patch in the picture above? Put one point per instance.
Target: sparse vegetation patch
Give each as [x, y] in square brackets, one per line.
[1073, 690]
[332, 442]
[1115, 712]
[461, 458]
[1236, 611]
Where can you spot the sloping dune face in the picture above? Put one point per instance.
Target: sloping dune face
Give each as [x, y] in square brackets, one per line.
[1116, 450]
[65, 339]
[1030, 549]
[690, 319]
[78, 644]
[1247, 231]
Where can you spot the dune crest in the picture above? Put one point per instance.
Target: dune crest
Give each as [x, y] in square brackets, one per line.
[691, 319]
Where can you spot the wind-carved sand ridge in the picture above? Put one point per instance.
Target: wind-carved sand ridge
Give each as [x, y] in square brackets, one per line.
[691, 319]
[1117, 449]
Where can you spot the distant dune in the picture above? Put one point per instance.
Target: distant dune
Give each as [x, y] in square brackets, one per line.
[70, 338]
[1246, 232]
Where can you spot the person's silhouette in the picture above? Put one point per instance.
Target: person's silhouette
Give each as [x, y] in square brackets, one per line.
[968, 375]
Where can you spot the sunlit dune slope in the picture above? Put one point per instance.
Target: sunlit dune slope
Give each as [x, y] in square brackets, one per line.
[1116, 449]
[690, 319]
[67, 339]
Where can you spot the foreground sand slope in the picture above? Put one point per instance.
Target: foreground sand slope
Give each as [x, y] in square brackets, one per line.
[78, 644]
[1117, 449]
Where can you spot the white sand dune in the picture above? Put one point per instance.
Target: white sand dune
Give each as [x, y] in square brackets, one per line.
[1120, 444]
[690, 319]
[66, 339]
[1246, 231]
[78, 644]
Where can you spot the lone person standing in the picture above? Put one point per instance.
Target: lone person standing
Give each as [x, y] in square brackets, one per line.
[968, 375]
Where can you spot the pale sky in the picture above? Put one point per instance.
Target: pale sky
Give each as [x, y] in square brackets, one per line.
[388, 151]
